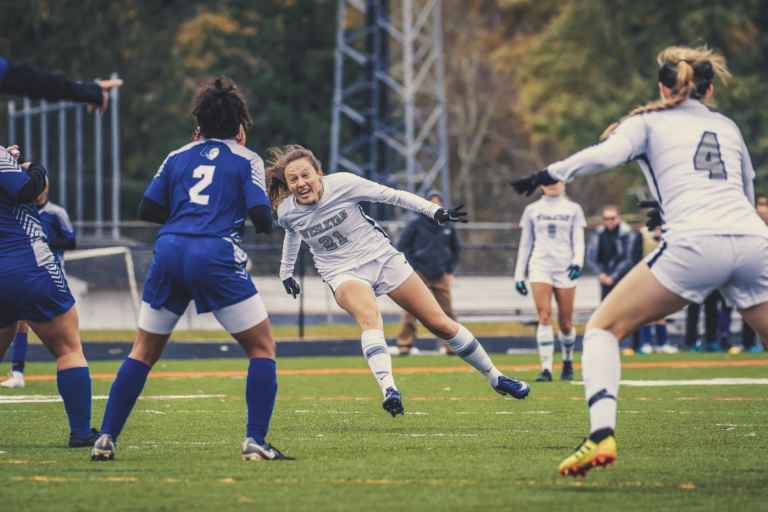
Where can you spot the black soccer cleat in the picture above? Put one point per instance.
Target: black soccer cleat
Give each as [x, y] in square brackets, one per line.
[567, 373]
[544, 376]
[103, 448]
[393, 402]
[251, 450]
[83, 441]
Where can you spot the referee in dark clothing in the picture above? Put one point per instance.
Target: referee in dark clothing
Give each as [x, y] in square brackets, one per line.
[433, 252]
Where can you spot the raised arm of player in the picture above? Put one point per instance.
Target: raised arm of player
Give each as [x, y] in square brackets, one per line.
[366, 190]
[527, 236]
[25, 80]
[624, 145]
[20, 186]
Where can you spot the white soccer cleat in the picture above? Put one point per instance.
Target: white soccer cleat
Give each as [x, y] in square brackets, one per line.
[669, 349]
[15, 381]
[646, 349]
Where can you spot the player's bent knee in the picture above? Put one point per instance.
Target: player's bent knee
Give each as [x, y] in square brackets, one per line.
[242, 316]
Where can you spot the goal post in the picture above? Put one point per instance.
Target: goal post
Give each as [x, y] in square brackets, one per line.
[82, 254]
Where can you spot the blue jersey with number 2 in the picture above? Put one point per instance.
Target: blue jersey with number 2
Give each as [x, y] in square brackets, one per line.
[208, 186]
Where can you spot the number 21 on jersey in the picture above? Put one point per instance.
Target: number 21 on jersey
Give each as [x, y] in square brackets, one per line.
[205, 172]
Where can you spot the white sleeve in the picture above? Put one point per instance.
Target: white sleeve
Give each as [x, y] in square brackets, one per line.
[527, 236]
[577, 237]
[366, 190]
[291, 246]
[625, 144]
[747, 173]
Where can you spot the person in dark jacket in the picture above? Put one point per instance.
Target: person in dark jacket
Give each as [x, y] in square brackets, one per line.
[433, 252]
[611, 253]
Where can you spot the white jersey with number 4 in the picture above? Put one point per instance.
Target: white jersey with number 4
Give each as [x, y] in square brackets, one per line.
[551, 237]
[696, 164]
[339, 234]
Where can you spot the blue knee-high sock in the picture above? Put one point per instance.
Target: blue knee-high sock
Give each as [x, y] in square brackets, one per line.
[260, 393]
[19, 352]
[75, 390]
[646, 335]
[123, 394]
[661, 334]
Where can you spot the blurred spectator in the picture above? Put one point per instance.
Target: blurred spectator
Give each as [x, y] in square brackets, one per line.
[609, 253]
[433, 252]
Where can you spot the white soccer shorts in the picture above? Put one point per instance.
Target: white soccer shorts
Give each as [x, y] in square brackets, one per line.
[693, 266]
[384, 274]
[554, 278]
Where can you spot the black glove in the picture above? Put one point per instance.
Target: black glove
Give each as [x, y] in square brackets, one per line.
[574, 272]
[444, 215]
[521, 288]
[292, 288]
[653, 218]
[529, 185]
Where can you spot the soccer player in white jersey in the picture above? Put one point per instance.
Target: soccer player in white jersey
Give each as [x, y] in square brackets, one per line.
[357, 261]
[552, 251]
[699, 170]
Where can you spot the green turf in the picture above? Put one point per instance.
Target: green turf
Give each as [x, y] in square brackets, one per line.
[461, 448]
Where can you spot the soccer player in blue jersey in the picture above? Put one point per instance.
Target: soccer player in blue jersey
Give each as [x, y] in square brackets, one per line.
[61, 236]
[34, 290]
[202, 194]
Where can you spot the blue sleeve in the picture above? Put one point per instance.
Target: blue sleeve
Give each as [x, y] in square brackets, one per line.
[65, 228]
[12, 177]
[159, 189]
[254, 184]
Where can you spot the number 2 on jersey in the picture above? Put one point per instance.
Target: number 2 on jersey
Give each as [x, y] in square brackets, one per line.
[708, 157]
[206, 173]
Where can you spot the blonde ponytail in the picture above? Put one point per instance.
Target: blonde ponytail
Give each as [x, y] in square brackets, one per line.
[685, 61]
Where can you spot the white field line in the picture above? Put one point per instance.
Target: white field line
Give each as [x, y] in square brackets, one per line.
[42, 399]
[691, 382]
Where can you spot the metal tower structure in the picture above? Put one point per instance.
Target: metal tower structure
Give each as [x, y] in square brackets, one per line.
[389, 109]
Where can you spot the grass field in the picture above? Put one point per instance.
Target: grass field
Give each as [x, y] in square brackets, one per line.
[460, 447]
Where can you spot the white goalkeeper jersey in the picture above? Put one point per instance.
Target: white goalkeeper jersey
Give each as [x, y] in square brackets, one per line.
[695, 162]
[339, 234]
[551, 236]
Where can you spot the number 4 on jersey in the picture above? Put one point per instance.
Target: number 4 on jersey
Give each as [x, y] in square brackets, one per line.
[206, 173]
[708, 158]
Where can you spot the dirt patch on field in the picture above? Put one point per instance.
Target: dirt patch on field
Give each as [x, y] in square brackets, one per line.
[160, 374]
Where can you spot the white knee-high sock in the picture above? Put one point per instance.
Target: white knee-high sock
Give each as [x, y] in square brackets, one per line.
[545, 339]
[470, 350]
[601, 367]
[379, 361]
[567, 342]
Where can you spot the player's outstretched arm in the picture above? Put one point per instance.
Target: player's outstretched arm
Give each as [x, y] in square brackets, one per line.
[26, 80]
[626, 143]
